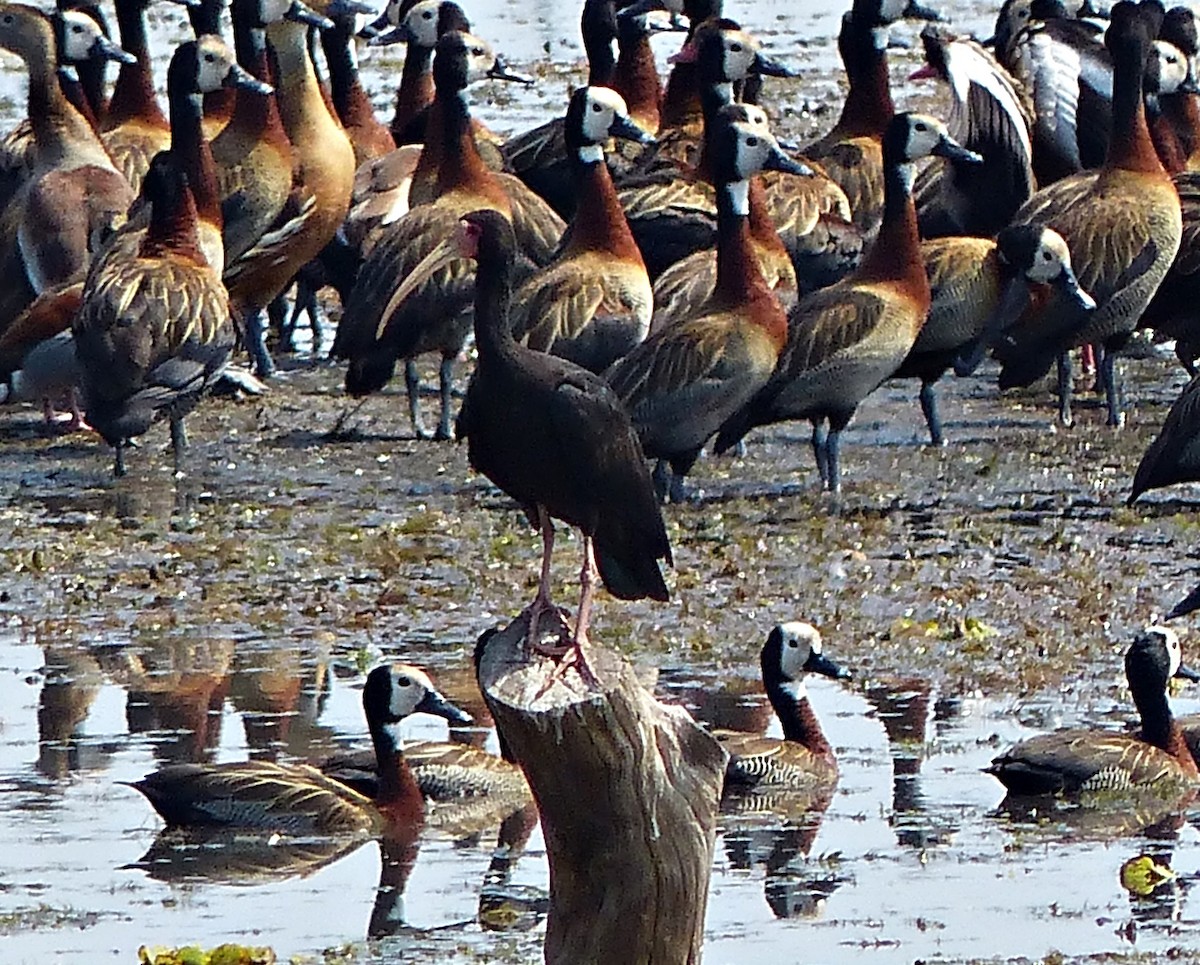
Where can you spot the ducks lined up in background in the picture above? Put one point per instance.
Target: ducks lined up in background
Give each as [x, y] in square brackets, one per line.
[845, 340]
[284, 165]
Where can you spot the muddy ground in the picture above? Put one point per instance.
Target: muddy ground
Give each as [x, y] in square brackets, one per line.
[1006, 562]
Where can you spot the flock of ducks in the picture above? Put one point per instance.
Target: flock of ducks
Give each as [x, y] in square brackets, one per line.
[647, 275]
[663, 240]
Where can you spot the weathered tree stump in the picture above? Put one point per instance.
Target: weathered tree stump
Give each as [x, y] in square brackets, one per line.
[628, 791]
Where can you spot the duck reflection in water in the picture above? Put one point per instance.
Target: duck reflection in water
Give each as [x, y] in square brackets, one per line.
[903, 707]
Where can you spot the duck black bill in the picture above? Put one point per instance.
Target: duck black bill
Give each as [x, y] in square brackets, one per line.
[626, 129]
[500, 71]
[821, 664]
[770, 67]
[238, 76]
[435, 703]
[1187, 673]
[303, 13]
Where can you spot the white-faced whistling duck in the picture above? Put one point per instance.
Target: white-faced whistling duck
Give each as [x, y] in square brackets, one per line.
[135, 127]
[851, 152]
[803, 760]
[74, 195]
[672, 209]
[979, 286]
[540, 156]
[592, 304]
[1122, 223]
[78, 40]
[32, 355]
[376, 329]
[847, 339]
[153, 331]
[684, 381]
[683, 289]
[368, 136]
[1075, 762]
[988, 115]
[322, 179]
[555, 438]
[299, 799]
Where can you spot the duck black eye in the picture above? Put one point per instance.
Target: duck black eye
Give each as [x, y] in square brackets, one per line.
[427, 15]
[752, 142]
[922, 127]
[404, 681]
[8, 20]
[1046, 256]
[77, 29]
[793, 643]
[736, 48]
[477, 51]
[596, 108]
[209, 58]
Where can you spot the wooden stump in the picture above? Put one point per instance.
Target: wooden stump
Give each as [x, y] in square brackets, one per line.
[628, 791]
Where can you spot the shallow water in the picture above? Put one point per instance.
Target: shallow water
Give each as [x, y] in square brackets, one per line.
[908, 862]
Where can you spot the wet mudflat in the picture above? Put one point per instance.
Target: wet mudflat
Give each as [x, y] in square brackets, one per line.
[981, 593]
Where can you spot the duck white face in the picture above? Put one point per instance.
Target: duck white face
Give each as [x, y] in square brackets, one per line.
[756, 145]
[480, 57]
[1050, 257]
[80, 33]
[409, 686]
[1169, 640]
[273, 11]
[1171, 66]
[925, 135]
[800, 641]
[421, 22]
[215, 61]
[603, 107]
[738, 52]
[393, 8]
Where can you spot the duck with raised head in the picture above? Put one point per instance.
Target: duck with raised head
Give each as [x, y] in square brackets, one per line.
[1074, 762]
[298, 799]
[37, 354]
[851, 153]
[376, 329]
[592, 304]
[135, 127]
[322, 179]
[845, 340]
[990, 115]
[74, 195]
[682, 383]
[672, 209]
[1122, 223]
[803, 760]
[153, 331]
[78, 40]
[206, 17]
[1179, 111]
[980, 285]
[369, 137]
[555, 438]
[540, 156]
[382, 187]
